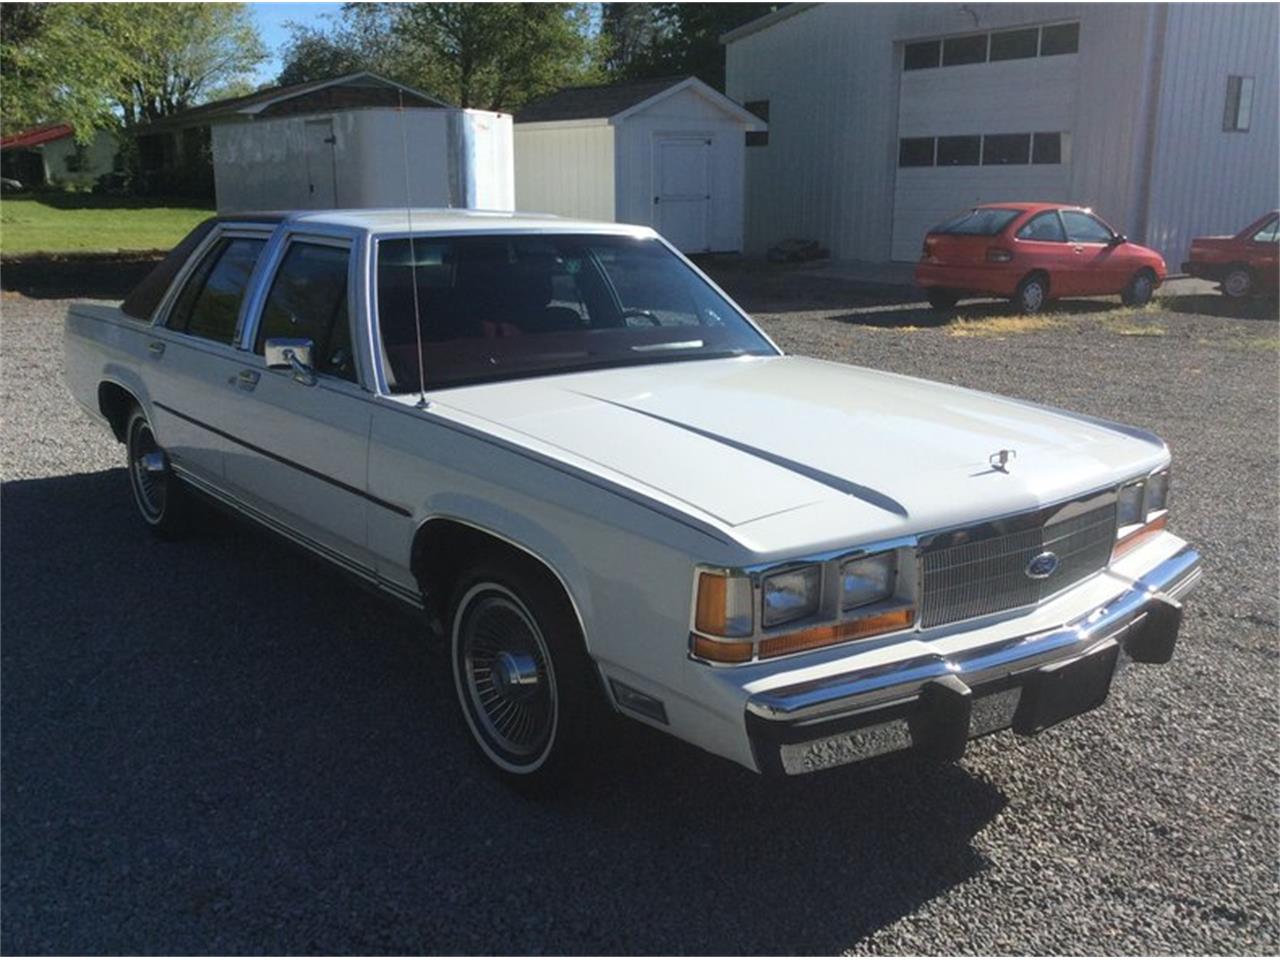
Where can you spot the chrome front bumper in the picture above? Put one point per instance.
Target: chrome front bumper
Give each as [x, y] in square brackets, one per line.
[935, 704]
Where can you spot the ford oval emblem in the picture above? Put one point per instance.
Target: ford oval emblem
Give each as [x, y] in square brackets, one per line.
[1041, 567]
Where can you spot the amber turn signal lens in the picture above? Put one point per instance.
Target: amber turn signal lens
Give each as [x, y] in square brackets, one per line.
[721, 651]
[712, 593]
[837, 633]
[1131, 541]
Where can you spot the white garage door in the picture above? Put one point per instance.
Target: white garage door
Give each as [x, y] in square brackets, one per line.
[982, 131]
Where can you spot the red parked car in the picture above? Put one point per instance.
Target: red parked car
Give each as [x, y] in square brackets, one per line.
[1033, 253]
[1245, 264]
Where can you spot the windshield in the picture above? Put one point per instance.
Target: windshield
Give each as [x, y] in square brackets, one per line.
[500, 307]
[982, 222]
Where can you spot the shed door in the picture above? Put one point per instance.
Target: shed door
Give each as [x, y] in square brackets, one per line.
[682, 200]
[322, 187]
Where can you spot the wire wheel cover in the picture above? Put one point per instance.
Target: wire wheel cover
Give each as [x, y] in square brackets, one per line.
[510, 690]
[151, 486]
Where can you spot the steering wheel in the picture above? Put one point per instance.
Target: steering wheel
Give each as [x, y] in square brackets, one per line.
[643, 314]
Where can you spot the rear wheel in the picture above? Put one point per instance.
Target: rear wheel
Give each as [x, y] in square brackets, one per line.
[1139, 289]
[1237, 283]
[161, 498]
[528, 691]
[940, 299]
[1032, 294]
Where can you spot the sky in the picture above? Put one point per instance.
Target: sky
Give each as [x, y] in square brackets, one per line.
[271, 18]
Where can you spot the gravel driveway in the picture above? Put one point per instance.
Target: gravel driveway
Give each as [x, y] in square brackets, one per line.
[220, 746]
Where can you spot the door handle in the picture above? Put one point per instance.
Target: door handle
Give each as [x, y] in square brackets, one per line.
[1078, 249]
[248, 379]
[156, 347]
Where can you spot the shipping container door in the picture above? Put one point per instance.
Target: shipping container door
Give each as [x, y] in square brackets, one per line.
[322, 191]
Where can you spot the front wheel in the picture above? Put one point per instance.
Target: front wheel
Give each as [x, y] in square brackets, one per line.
[1032, 294]
[1139, 289]
[162, 500]
[1238, 283]
[524, 681]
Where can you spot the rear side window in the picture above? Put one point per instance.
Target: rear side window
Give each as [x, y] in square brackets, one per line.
[982, 222]
[308, 300]
[209, 303]
[1045, 227]
[1082, 228]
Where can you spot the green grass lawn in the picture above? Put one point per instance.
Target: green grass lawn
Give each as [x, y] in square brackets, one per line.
[83, 223]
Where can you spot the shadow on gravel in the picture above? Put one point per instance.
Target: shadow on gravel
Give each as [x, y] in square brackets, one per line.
[1216, 305]
[220, 746]
[88, 277]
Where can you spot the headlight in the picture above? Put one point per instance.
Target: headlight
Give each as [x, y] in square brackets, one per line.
[1130, 506]
[1157, 492]
[792, 595]
[867, 580]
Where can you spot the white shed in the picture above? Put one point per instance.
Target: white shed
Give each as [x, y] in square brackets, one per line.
[666, 153]
[342, 143]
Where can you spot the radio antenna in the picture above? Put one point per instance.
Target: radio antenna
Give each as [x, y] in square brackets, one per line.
[413, 261]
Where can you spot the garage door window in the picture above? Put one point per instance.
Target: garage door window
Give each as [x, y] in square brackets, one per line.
[915, 152]
[1015, 44]
[1047, 148]
[1058, 39]
[1239, 104]
[1004, 148]
[921, 56]
[961, 50]
[959, 151]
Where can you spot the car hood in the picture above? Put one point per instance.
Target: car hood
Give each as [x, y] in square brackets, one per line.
[800, 444]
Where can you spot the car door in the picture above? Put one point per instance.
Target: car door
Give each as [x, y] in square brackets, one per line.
[1041, 244]
[302, 440]
[191, 352]
[1098, 265]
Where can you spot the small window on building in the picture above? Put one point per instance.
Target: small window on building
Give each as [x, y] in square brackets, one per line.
[1006, 148]
[915, 152]
[961, 50]
[1046, 148]
[1015, 44]
[1061, 38]
[921, 56]
[1239, 104]
[758, 138]
[959, 151]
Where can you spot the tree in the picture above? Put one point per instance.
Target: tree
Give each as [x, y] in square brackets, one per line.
[494, 56]
[675, 38]
[95, 65]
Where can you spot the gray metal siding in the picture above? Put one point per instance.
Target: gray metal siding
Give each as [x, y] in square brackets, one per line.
[1206, 180]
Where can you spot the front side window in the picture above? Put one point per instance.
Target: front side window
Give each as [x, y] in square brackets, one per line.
[1045, 227]
[209, 303]
[979, 222]
[308, 300]
[1083, 228]
[507, 307]
[1269, 233]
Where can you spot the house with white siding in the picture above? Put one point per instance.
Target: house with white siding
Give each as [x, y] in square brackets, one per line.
[885, 118]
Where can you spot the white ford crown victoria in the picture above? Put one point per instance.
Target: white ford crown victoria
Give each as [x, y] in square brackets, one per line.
[610, 491]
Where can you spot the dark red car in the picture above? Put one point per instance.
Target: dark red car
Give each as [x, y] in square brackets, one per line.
[1244, 264]
[1033, 253]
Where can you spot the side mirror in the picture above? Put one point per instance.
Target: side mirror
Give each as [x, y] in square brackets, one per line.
[295, 354]
[1117, 239]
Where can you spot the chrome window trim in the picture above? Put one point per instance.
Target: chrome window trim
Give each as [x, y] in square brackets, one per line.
[917, 544]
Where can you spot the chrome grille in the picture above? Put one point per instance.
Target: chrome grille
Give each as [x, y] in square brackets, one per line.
[989, 575]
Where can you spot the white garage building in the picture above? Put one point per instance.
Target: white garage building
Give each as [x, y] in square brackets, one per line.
[885, 118]
[666, 153]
